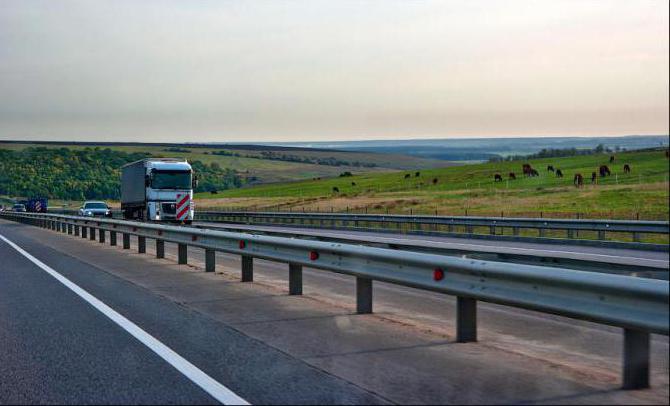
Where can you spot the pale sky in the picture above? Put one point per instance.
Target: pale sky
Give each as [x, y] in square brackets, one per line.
[311, 70]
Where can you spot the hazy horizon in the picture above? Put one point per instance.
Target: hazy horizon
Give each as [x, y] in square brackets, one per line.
[319, 71]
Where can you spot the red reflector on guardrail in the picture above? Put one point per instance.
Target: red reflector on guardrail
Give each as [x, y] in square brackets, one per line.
[313, 255]
[438, 274]
[243, 245]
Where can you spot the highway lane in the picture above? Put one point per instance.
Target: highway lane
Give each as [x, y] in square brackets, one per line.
[57, 348]
[523, 356]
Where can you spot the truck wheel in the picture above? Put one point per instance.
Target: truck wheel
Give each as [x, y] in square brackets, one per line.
[188, 222]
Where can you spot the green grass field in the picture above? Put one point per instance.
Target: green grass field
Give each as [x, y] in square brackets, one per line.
[471, 188]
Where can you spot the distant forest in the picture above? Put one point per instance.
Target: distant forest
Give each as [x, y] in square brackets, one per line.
[90, 173]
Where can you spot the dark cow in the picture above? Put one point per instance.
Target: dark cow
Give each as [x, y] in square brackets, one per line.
[527, 169]
[559, 173]
[497, 178]
[534, 173]
[417, 174]
[594, 176]
[353, 183]
[550, 168]
[626, 168]
[512, 176]
[612, 159]
[434, 181]
[578, 180]
[407, 175]
[667, 153]
[336, 189]
[604, 171]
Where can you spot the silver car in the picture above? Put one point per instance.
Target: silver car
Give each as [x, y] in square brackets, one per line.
[95, 209]
[21, 208]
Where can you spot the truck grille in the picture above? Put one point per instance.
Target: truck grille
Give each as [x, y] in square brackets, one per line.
[168, 208]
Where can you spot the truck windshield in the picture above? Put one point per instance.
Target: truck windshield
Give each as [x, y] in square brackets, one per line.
[171, 180]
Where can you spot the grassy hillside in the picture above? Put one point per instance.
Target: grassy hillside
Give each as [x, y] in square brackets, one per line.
[255, 167]
[644, 192]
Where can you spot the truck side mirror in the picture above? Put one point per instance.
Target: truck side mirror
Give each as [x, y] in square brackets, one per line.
[147, 180]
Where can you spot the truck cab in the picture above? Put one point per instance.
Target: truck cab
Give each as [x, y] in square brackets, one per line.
[158, 189]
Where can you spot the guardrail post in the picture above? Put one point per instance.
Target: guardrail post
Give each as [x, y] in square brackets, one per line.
[515, 231]
[58, 226]
[635, 359]
[542, 232]
[294, 279]
[126, 241]
[101, 233]
[636, 237]
[571, 234]
[112, 238]
[160, 248]
[92, 234]
[63, 228]
[601, 235]
[69, 229]
[76, 231]
[141, 244]
[247, 268]
[182, 254]
[469, 229]
[492, 230]
[210, 260]
[466, 319]
[84, 232]
[363, 295]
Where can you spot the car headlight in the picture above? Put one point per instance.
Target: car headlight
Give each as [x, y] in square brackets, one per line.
[88, 213]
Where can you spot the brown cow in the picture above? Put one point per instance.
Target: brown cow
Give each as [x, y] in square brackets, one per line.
[626, 168]
[512, 176]
[497, 178]
[527, 170]
[604, 171]
[612, 159]
[594, 176]
[578, 180]
[559, 173]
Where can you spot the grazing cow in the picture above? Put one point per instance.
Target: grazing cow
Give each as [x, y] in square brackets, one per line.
[527, 169]
[336, 189]
[626, 168]
[612, 159]
[417, 174]
[550, 168]
[353, 183]
[213, 192]
[604, 171]
[578, 180]
[594, 176]
[497, 178]
[534, 173]
[559, 173]
[434, 181]
[512, 176]
[407, 176]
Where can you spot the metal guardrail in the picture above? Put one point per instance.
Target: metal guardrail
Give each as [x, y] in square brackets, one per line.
[643, 267]
[447, 225]
[639, 306]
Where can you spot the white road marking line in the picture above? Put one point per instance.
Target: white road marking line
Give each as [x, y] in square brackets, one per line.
[204, 381]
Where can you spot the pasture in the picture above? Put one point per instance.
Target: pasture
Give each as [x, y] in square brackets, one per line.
[471, 189]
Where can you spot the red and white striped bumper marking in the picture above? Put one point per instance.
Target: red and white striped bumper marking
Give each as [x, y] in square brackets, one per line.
[183, 206]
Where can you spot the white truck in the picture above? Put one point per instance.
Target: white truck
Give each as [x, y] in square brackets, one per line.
[158, 189]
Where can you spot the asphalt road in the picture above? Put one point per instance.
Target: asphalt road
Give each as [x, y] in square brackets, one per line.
[268, 347]
[56, 348]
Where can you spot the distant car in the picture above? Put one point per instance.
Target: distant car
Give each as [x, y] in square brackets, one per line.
[21, 208]
[95, 209]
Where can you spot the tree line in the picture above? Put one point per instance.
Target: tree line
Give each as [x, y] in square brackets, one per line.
[89, 173]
